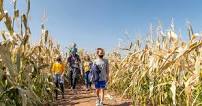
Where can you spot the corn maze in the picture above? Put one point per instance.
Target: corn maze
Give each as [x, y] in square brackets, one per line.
[164, 71]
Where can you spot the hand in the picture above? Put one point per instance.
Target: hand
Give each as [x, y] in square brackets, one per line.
[107, 78]
[62, 76]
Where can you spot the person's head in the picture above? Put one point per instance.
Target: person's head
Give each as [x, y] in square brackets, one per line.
[87, 57]
[73, 51]
[100, 52]
[73, 45]
[59, 59]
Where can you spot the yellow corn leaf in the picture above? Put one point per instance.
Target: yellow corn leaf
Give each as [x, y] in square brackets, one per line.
[173, 90]
[1, 6]
[1, 15]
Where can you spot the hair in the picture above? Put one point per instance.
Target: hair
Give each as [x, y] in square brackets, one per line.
[99, 49]
[3, 68]
[87, 58]
[59, 59]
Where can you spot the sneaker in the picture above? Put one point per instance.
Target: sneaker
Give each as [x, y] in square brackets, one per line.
[98, 102]
[101, 104]
[87, 89]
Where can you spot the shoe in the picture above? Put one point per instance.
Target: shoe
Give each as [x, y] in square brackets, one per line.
[98, 102]
[87, 89]
[101, 104]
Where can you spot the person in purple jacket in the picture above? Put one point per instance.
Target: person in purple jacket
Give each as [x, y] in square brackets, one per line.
[74, 67]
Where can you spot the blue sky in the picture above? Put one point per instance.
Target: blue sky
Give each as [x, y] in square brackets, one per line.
[100, 23]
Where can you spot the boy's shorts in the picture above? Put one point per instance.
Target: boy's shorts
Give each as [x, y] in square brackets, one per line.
[100, 84]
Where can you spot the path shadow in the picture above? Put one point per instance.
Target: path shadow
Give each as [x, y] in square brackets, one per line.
[64, 102]
[122, 104]
[84, 97]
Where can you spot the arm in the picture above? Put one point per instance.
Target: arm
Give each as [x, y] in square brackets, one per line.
[63, 69]
[69, 61]
[53, 69]
[107, 66]
[80, 64]
[81, 68]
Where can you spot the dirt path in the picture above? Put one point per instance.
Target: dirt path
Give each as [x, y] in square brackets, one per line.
[84, 98]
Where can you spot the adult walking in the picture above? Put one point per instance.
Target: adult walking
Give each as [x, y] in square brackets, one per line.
[74, 67]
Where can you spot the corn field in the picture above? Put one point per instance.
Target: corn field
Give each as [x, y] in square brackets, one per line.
[25, 78]
[165, 71]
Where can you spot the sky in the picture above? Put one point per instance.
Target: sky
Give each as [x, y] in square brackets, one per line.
[102, 23]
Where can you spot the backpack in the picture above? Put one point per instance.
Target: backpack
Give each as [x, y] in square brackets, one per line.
[94, 73]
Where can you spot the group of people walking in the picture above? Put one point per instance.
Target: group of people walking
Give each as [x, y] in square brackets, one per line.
[94, 72]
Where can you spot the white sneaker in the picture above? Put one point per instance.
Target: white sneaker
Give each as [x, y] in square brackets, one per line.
[98, 102]
[101, 104]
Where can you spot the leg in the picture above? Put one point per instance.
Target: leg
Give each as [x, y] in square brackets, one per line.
[57, 86]
[86, 80]
[98, 97]
[74, 82]
[75, 78]
[61, 82]
[102, 95]
[97, 91]
[62, 89]
[102, 86]
[90, 85]
[71, 78]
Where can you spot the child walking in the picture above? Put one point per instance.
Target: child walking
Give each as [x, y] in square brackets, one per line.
[86, 68]
[100, 85]
[58, 75]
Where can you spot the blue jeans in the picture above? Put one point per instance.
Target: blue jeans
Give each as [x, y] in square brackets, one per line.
[73, 76]
[87, 79]
[59, 83]
[58, 79]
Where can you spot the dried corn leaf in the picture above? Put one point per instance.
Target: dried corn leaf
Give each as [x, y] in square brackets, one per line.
[28, 7]
[6, 58]
[16, 13]
[8, 23]
[24, 19]
[46, 36]
[173, 90]
[1, 6]
[3, 35]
